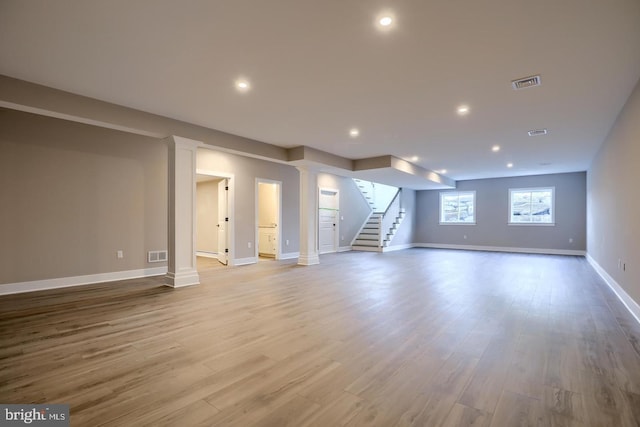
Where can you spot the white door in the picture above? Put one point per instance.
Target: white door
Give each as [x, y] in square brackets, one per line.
[328, 221]
[223, 221]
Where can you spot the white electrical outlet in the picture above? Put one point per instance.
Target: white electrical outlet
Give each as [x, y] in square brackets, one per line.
[465, 237]
[120, 254]
[249, 245]
[571, 240]
[287, 242]
[342, 238]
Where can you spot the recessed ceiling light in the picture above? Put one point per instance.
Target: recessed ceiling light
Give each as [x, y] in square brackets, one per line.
[242, 85]
[495, 148]
[353, 133]
[463, 109]
[443, 171]
[385, 20]
[414, 158]
[509, 165]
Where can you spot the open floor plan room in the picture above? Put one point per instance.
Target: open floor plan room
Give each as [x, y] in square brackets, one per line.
[422, 337]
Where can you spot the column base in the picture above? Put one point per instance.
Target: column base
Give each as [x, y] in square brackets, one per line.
[308, 259]
[179, 280]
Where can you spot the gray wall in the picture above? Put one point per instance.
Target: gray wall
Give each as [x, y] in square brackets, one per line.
[71, 195]
[245, 171]
[612, 200]
[354, 210]
[492, 229]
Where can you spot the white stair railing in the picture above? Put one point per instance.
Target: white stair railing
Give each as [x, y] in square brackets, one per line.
[390, 215]
[378, 196]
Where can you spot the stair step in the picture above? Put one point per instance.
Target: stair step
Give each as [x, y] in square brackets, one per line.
[369, 243]
[368, 237]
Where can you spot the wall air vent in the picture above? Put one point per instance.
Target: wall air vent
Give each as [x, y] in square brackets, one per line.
[537, 132]
[526, 82]
[157, 256]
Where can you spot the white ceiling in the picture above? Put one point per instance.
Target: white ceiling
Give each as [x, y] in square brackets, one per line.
[318, 68]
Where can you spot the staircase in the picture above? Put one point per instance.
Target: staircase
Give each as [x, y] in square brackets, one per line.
[378, 231]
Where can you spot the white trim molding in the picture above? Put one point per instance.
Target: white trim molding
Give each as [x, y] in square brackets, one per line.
[289, 255]
[91, 279]
[393, 248]
[207, 254]
[622, 295]
[244, 261]
[344, 248]
[570, 252]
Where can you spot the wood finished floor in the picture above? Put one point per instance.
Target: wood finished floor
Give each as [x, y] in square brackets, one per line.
[410, 338]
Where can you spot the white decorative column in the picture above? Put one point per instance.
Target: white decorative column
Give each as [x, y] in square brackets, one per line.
[182, 213]
[308, 216]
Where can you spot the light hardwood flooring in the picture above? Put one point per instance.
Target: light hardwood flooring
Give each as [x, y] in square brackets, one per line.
[205, 263]
[410, 338]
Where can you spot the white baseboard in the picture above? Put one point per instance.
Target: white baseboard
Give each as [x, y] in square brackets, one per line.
[366, 248]
[290, 255]
[207, 254]
[244, 261]
[65, 282]
[501, 249]
[344, 248]
[622, 295]
[398, 247]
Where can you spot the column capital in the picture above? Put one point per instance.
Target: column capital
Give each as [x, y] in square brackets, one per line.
[183, 142]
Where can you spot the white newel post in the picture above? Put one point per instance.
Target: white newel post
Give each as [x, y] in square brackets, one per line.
[308, 216]
[182, 213]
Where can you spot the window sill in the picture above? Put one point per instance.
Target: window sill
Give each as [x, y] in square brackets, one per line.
[530, 224]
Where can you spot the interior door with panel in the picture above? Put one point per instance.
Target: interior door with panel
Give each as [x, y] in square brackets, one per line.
[328, 209]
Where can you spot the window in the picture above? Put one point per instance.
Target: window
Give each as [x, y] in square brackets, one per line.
[458, 207]
[531, 206]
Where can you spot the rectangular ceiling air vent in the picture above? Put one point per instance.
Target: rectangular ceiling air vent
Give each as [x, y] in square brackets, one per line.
[537, 132]
[526, 82]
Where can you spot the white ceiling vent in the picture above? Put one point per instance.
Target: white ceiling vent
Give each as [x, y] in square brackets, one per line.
[537, 132]
[526, 82]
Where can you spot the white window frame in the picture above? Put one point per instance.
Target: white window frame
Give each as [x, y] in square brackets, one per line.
[531, 190]
[440, 212]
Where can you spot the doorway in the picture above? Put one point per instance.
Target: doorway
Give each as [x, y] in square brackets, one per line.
[268, 219]
[213, 220]
[328, 211]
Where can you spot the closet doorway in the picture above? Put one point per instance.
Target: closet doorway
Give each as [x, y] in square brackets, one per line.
[213, 221]
[268, 219]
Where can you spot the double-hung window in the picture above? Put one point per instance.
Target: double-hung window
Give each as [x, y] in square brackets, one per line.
[458, 207]
[532, 206]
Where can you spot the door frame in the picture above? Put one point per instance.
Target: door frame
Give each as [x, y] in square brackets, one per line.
[230, 209]
[257, 213]
[336, 231]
